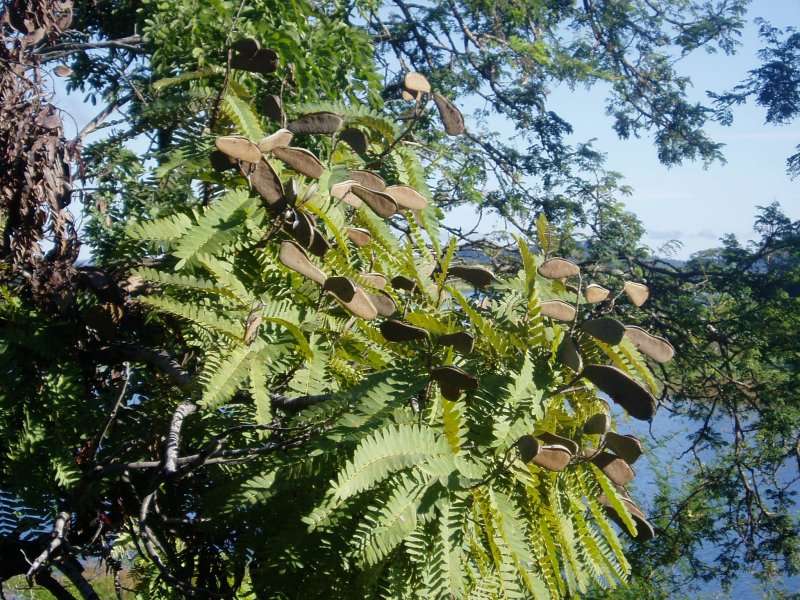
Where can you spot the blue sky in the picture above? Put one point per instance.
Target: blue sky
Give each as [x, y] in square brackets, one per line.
[689, 203]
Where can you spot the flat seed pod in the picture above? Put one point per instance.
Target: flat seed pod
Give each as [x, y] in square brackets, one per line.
[383, 304]
[657, 348]
[453, 381]
[273, 107]
[623, 390]
[462, 341]
[341, 287]
[295, 258]
[416, 82]
[360, 237]
[244, 50]
[361, 305]
[280, 139]
[407, 197]
[569, 355]
[597, 424]
[265, 61]
[381, 204]
[616, 469]
[558, 268]
[644, 530]
[266, 182]
[356, 139]
[605, 329]
[401, 282]
[408, 96]
[342, 189]
[373, 280]
[316, 123]
[238, 148]
[368, 179]
[474, 274]
[558, 310]
[62, 71]
[627, 447]
[319, 245]
[220, 161]
[452, 119]
[397, 331]
[554, 439]
[300, 228]
[636, 292]
[528, 448]
[301, 160]
[595, 293]
[552, 458]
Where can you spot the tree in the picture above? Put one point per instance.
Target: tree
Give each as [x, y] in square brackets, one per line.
[186, 305]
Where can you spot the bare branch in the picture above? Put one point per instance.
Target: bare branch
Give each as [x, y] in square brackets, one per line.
[174, 436]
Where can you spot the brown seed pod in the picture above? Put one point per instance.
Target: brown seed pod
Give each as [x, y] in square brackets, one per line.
[597, 424]
[462, 341]
[558, 268]
[361, 305]
[595, 293]
[644, 530]
[368, 179]
[605, 329]
[301, 160]
[569, 355]
[452, 119]
[407, 197]
[341, 287]
[401, 282]
[319, 245]
[295, 258]
[528, 448]
[553, 457]
[416, 82]
[62, 71]
[247, 56]
[360, 237]
[299, 227]
[408, 96]
[280, 139]
[266, 182]
[373, 280]
[657, 348]
[220, 161]
[616, 469]
[356, 139]
[265, 61]
[474, 274]
[557, 440]
[316, 123]
[341, 191]
[273, 108]
[623, 390]
[397, 331]
[381, 204]
[251, 326]
[558, 310]
[383, 304]
[637, 293]
[453, 381]
[627, 447]
[238, 148]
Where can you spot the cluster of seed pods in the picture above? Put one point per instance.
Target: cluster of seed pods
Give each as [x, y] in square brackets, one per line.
[366, 298]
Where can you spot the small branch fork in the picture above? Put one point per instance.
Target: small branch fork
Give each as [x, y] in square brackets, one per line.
[60, 527]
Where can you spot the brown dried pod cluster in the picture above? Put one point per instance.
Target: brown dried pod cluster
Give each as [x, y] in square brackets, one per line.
[416, 84]
[453, 381]
[247, 55]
